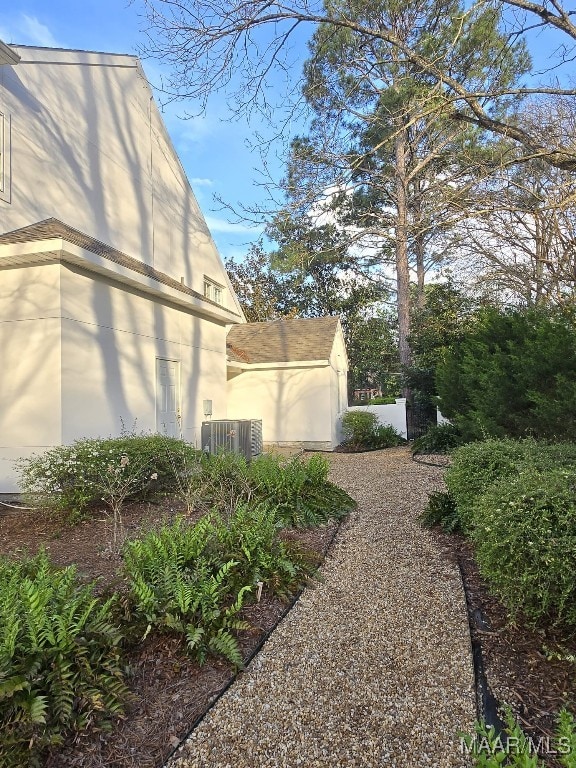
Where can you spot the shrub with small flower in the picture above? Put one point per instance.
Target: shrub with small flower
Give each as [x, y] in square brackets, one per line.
[516, 500]
[71, 478]
[525, 537]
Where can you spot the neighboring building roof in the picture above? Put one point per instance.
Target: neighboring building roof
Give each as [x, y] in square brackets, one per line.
[285, 340]
[53, 228]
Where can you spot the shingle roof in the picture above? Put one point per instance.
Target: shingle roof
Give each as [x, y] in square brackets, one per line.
[285, 340]
[54, 228]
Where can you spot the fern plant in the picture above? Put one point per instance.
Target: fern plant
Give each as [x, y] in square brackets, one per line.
[60, 658]
[441, 510]
[179, 583]
[251, 538]
[299, 490]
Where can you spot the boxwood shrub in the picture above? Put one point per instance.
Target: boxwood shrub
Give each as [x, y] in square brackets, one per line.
[525, 538]
[439, 438]
[362, 432]
[475, 466]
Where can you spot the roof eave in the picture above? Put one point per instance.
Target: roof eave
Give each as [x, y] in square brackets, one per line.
[234, 364]
[8, 55]
[59, 250]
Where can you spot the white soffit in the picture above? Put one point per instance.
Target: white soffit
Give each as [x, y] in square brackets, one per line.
[240, 366]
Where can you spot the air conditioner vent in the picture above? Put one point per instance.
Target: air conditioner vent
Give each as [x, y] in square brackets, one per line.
[237, 436]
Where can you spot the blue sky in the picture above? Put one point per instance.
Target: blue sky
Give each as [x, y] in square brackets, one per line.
[213, 150]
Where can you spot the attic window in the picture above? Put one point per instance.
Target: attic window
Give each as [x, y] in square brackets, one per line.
[213, 291]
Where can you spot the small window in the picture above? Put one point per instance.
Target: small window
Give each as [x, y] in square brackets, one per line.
[213, 291]
[4, 157]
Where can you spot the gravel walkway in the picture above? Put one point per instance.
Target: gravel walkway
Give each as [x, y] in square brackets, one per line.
[373, 666]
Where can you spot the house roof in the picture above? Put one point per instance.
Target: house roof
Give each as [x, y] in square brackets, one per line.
[54, 228]
[285, 340]
[8, 55]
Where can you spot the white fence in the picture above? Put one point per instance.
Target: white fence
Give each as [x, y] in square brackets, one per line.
[441, 419]
[393, 415]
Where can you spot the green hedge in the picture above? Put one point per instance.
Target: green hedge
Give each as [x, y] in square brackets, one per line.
[475, 466]
[525, 539]
[516, 499]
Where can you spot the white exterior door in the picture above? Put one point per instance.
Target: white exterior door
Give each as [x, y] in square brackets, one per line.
[168, 397]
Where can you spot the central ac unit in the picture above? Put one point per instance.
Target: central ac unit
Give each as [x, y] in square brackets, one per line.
[237, 436]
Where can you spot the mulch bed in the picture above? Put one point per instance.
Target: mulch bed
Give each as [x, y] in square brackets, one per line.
[170, 692]
[517, 668]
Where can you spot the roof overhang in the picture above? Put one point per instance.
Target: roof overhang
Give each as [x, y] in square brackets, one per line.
[234, 365]
[8, 55]
[58, 250]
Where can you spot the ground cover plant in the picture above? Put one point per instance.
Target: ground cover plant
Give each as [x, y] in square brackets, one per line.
[61, 665]
[203, 578]
[194, 579]
[297, 488]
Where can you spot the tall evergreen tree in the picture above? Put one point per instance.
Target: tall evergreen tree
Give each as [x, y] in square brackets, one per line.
[382, 151]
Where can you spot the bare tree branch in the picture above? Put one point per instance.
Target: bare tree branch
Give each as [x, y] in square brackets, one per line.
[210, 42]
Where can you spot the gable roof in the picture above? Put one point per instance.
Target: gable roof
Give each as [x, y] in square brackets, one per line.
[8, 55]
[54, 228]
[285, 340]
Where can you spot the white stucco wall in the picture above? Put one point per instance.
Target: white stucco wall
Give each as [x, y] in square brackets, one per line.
[30, 349]
[116, 335]
[79, 360]
[89, 147]
[293, 403]
[440, 419]
[338, 386]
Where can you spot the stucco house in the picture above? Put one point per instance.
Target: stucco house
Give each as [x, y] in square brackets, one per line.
[114, 302]
[292, 374]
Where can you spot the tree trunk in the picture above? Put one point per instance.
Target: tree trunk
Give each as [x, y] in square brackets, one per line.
[401, 236]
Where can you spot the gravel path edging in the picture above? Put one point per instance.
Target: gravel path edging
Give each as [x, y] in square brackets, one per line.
[372, 667]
